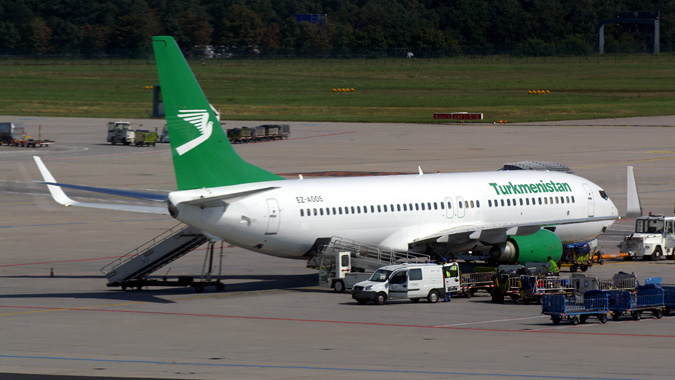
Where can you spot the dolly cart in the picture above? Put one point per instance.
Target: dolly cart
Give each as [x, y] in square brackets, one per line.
[668, 298]
[647, 298]
[576, 309]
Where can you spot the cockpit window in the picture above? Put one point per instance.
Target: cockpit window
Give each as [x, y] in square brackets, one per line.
[603, 195]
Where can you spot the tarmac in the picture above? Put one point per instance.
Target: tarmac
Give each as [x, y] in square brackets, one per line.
[59, 319]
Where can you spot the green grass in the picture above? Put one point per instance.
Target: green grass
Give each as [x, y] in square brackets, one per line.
[390, 90]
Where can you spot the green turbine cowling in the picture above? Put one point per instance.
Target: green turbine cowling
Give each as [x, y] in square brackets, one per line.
[536, 247]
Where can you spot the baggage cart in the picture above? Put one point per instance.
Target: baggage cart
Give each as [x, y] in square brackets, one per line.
[594, 303]
[532, 288]
[668, 298]
[646, 298]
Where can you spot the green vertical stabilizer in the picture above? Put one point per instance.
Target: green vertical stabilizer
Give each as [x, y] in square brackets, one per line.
[202, 154]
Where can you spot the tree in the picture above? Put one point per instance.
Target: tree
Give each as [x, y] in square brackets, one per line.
[40, 36]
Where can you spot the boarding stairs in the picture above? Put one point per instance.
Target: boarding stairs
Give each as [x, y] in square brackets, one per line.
[368, 257]
[153, 255]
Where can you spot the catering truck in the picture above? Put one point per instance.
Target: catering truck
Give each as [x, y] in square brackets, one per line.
[654, 238]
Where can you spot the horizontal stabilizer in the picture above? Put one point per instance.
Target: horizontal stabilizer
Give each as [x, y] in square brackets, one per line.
[60, 196]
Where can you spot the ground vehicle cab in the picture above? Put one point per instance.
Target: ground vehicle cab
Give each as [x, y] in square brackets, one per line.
[402, 281]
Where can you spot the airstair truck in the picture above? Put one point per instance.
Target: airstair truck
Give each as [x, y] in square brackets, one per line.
[654, 237]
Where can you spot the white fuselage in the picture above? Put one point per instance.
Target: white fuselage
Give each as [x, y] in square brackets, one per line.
[395, 211]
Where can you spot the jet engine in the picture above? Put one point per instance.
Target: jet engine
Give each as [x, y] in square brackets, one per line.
[536, 247]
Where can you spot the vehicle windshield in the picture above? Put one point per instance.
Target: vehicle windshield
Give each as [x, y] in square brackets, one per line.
[649, 225]
[380, 275]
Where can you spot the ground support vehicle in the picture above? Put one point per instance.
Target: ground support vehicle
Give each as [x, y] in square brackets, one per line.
[467, 284]
[239, 135]
[620, 281]
[654, 237]
[164, 137]
[594, 303]
[120, 132]
[343, 262]
[402, 281]
[647, 298]
[285, 131]
[533, 288]
[335, 271]
[145, 137]
[272, 132]
[576, 256]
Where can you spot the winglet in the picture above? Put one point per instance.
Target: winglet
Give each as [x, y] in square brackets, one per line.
[56, 191]
[633, 206]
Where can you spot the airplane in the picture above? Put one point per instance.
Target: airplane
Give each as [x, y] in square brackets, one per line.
[228, 198]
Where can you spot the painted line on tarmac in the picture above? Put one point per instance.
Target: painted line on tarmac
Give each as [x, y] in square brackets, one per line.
[491, 321]
[296, 367]
[279, 319]
[325, 135]
[58, 262]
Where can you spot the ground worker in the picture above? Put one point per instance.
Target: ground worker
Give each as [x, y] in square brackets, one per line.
[552, 267]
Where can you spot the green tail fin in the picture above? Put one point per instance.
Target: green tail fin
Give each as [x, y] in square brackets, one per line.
[202, 154]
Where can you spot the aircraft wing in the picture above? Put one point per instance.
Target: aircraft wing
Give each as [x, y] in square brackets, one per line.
[498, 233]
[55, 189]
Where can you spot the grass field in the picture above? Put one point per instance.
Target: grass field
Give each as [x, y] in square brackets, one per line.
[388, 90]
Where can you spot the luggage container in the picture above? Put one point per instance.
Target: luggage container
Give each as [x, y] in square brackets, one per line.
[668, 298]
[594, 303]
[646, 298]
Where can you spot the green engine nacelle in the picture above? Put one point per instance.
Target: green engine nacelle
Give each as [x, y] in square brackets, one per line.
[529, 248]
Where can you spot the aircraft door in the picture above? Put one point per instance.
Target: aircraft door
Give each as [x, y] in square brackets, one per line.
[591, 203]
[398, 285]
[460, 207]
[449, 210]
[273, 217]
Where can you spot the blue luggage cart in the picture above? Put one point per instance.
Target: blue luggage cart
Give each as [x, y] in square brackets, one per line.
[668, 298]
[647, 298]
[577, 309]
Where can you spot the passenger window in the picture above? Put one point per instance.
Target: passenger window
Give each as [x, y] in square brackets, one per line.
[358, 209]
[302, 212]
[459, 204]
[379, 209]
[466, 204]
[385, 208]
[340, 210]
[398, 207]
[521, 201]
[508, 202]
[471, 204]
[415, 274]
[573, 201]
[489, 203]
[334, 213]
[315, 212]
[372, 209]
[327, 211]
[398, 278]
[321, 211]
[353, 210]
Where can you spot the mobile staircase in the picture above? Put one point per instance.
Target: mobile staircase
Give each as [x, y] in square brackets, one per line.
[132, 269]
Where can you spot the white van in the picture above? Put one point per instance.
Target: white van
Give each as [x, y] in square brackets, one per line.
[403, 281]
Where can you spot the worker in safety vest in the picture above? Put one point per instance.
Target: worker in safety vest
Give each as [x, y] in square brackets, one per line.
[446, 274]
[552, 267]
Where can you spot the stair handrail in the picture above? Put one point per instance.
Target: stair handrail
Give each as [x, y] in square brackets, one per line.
[166, 235]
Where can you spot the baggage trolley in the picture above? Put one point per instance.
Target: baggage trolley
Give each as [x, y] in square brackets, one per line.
[594, 303]
[647, 298]
[668, 298]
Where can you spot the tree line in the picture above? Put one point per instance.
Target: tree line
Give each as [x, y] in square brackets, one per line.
[235, 28]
